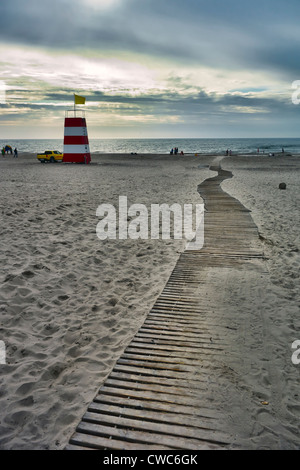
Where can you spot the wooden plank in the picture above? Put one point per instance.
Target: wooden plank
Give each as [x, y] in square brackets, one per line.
[172, 335]
[166, 343]
[142, 438]
[162, 397]
[176, 350]
[162, 319]
[180, 290]
[161, 373]
[162, 352]
[180, 314]
[185, 308]
[180, 333]
[180, 299]
[160, 429]
[166, 356]
[164, 339]
[170, 399]
[151, 387]
[176, 330]
[174, 324]
[166, 407]
[163, 359]
[195, 329]
[205, 423]
[157, 365]
[153, 355]
[88, 441]
[171, 303]
[151, 379]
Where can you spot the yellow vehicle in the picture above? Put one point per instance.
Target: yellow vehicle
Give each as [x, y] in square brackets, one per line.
[51, 156]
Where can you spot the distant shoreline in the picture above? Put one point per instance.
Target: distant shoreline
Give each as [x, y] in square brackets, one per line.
[164, 146]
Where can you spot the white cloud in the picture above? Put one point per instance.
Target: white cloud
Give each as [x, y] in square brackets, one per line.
[101, 4]
[109, 75]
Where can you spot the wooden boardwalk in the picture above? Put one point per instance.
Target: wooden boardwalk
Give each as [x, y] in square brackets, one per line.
[164, 392]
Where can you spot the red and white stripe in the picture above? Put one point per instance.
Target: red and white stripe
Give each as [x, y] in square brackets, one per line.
[76, 142]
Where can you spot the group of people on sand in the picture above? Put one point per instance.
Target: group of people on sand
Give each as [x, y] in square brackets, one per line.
[228, 152]
[175, 151]
[7, 149]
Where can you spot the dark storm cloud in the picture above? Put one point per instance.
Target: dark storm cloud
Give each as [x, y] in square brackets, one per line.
[231, 34]
[171, 103]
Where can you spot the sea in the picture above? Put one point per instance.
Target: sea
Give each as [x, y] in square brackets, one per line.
[164, 146]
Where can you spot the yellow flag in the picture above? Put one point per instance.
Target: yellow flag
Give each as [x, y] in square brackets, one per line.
[79, 99]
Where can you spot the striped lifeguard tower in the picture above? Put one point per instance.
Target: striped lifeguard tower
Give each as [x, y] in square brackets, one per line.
[76, 142]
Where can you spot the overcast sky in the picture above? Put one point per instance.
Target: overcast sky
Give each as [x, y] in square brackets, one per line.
[150, 68]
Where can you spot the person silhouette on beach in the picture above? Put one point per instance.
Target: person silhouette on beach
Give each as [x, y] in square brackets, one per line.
[16, 153]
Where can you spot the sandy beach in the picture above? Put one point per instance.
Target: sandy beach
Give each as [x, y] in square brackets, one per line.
[70, 302]
[268, 368]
